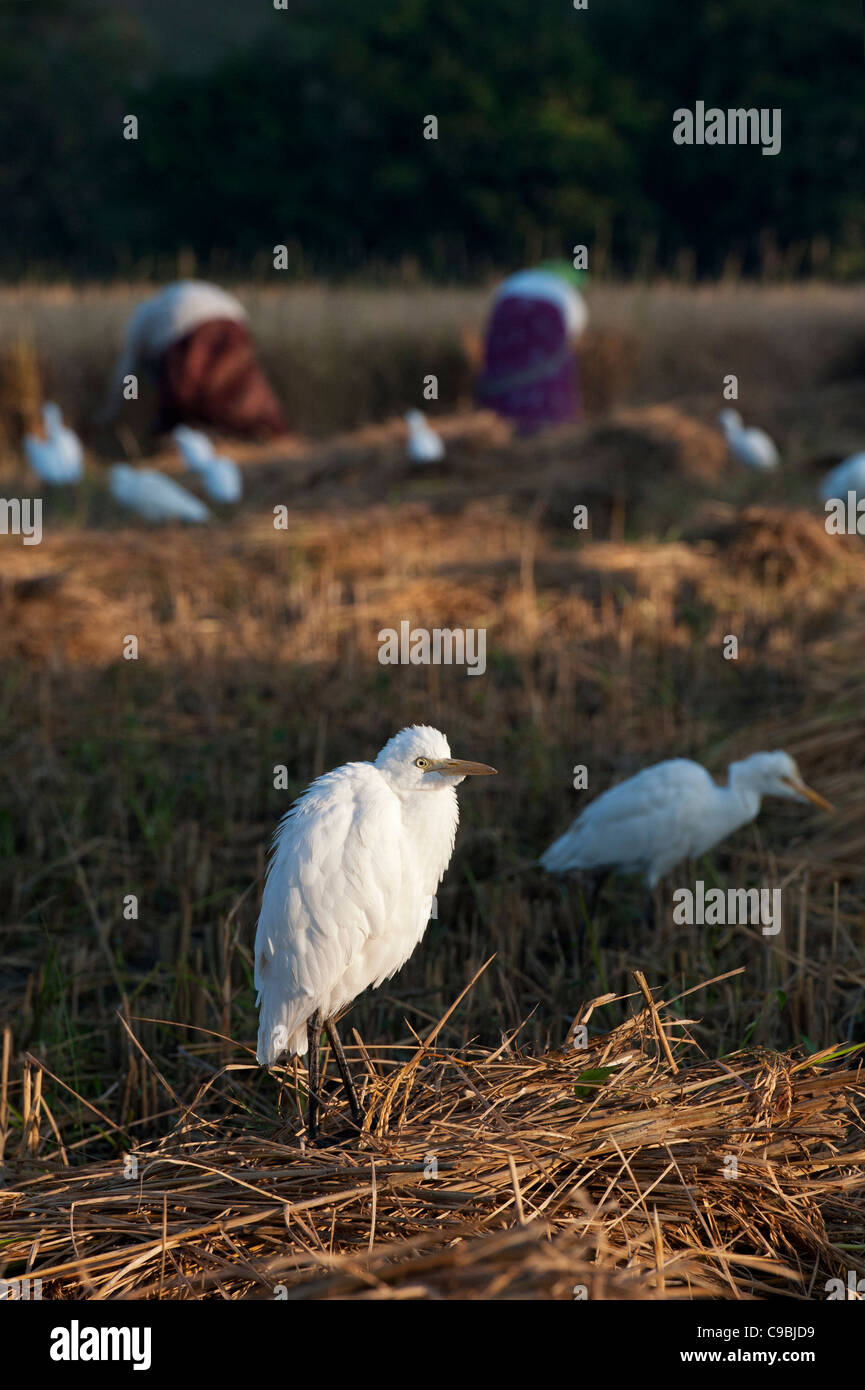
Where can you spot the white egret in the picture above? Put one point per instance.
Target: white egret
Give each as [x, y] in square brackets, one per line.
[154, 496]
[752, 447]
[195, 448]
[355, 865]
[424, 445]
[221, 480]
[673, 811]
[59, 457]
[220, 476]
[848, 476]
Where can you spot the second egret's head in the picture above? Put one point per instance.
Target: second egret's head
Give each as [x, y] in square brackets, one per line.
[414, 419]
[730, 420]
[776, 774]
[419, 759]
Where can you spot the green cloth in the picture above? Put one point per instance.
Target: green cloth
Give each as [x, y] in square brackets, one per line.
[565, 271]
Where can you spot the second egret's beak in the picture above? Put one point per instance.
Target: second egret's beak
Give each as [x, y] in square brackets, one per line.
[809, 794]
[456, 767]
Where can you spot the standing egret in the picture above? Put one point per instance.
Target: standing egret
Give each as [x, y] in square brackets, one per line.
[670, 812]
[848, 476]
[355, 865]
[58, 458]
[424, 445]
[154, 496]
[752, 447]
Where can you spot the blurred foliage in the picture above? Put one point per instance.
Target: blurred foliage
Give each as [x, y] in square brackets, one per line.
[554, 127]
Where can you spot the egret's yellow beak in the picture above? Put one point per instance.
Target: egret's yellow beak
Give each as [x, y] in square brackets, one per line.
[456, 767]
[810, 795]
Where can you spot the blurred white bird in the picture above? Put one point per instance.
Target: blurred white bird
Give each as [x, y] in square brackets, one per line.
[848, 476]
[154, 496]
[220, 476]
[58, 458]
[194, 446]
[355, 865]
[221, 480]
[670, 812]
[752, 447]
[424, 445]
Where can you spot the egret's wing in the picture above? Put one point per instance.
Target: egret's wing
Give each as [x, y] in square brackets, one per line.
[334, 882]
[176, 501]
[73, 454]
[634, 823]
[761, 448]
[222, 480]
[155, 497]
[847, 476]
[194, 445]
[40, 456]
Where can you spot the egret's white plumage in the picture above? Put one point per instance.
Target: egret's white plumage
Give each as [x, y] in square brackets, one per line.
[752, 447]
[848, 476]
[424, 445]
[154, 496]
[670, 812]
[220, 476]
[59, 457]
[221, 480]
[195, 448]
[355, 865]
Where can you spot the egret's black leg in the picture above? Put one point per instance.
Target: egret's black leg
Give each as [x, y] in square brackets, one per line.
[313, 1036]
[336, 1044]
[598, 882]
[590, 898]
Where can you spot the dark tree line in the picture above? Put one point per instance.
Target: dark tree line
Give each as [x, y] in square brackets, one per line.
[554, 126]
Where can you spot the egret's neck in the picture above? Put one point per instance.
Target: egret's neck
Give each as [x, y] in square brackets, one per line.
[430, 820]
[741, 799]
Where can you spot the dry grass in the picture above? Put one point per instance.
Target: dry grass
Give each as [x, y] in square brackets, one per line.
[629, 1169]
[259, 648]
[341, 357]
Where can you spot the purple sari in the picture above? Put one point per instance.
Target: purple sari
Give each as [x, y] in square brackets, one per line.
[530, 367]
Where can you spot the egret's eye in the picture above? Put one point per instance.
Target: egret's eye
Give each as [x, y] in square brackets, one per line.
[422, 763]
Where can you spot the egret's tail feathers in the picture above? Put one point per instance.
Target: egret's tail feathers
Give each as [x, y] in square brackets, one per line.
[276, 1038]
[561, 857]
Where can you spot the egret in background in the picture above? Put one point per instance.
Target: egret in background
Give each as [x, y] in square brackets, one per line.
[220, 476]
[673, 811]
[424, 445]
[355, 865]
[222, 481]
[59, 457]
[153, 496]
[849, 476]
[195, 448]
[752, 447]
